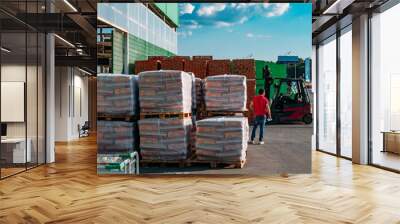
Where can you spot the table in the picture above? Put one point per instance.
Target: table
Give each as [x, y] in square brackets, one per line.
[391, 141]
[16, 147]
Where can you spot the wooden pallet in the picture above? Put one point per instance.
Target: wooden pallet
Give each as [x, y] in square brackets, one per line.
[158, 163]
[215, 164]
[102, 117]
[227, 113]
[164, 115]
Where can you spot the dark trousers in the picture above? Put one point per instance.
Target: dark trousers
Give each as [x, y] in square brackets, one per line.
[259, 121]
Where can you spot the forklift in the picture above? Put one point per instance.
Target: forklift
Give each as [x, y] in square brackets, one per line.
[289, 99]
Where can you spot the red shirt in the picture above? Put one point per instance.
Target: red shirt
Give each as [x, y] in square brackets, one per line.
[260, 103]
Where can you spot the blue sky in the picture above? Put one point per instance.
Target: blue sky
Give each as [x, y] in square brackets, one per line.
[245, 30]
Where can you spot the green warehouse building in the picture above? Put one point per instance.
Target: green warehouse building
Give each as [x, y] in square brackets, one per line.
[130, 32]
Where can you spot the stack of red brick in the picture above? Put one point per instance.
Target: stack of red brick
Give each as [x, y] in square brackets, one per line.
[198, 67]
[246, 67]
[149, 65]
[219, 67]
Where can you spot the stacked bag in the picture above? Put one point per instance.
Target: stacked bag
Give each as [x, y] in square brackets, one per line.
[117, 96]
[222, 139]
[164, 139]
[165, 92]
[225, 93]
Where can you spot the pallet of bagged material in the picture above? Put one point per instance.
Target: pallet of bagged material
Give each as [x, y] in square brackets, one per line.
[222, 140]
[117, 136]
[164, 140]
[103, 117]
[164, 115]
[227, 113]
[165, 92]
[163, 163]
[225, 93]
[117, 94]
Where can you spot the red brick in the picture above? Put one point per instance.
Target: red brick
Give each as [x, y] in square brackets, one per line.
[186, 58]
[246, 67]
[198, 67]
[203, 57]
[219, 67]
[172, 64]
[142, 66]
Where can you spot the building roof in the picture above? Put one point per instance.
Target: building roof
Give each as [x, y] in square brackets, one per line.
[288, 59]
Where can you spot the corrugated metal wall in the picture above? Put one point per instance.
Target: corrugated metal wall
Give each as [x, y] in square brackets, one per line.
[118, 41]
[140, 50]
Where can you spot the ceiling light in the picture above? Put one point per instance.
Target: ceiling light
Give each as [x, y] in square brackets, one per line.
[5, 50]
[65, 41]
[86, 72]
[70, 5]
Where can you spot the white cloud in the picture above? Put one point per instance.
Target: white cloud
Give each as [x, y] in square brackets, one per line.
[278, 9]
[266, 5]
[243, 20]
[211, 9]
[187, 8]
[193, 24]
[249, 35]
[257, 36]
[245, 5]
[220, 24]
[185, 34]
[223, 24]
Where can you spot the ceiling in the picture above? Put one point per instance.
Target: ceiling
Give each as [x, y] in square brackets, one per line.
[72, 20]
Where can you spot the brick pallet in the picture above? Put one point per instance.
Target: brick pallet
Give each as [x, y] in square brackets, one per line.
[164, 140]
[173, 64]
[225, 93]
[165, 92]
[244, 67]
[117, 131]
[149, 65]
[198, 67]
[219, 67]
[222, 141]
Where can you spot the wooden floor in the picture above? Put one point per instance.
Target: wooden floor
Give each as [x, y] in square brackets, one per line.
[69, 191]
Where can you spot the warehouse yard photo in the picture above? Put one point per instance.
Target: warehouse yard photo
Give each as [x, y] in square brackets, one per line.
[161, 112]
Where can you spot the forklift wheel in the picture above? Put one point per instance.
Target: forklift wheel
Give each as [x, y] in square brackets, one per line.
[308, 118]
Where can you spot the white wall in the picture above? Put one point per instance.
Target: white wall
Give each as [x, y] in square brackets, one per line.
[71, 87]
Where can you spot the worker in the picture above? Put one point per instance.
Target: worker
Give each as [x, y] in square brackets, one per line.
[260, 106]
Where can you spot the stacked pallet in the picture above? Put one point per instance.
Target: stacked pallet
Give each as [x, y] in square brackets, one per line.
[164, 139]
[165, 91]
[165, 124]
[219, 67]
[117, 94]
[117, 132]
[225, 93]
[222, 140]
